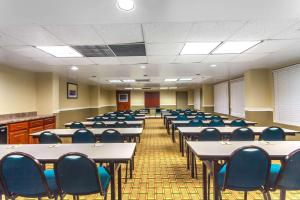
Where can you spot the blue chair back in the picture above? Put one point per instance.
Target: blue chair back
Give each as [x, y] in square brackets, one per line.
[83, 136]
[76, 174]
[129, 118]
[77, 125]
[195, 123]
[216, 123]
[181, 117]
[215, 117]
[99, 125]
[238, 123]
[98, 118]
[111, 136]
[22, 175]
[247, 169]
[200, 117]
[208, 134]
[273, 134]
[242, 134]
[289, 175]
[113, 118]
[49, 138]
[120, 124]
[174, 113]
[105, 118]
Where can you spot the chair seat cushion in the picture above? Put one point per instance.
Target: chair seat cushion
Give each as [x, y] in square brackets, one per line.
[274, 171]
[50, 177]
[104, 178]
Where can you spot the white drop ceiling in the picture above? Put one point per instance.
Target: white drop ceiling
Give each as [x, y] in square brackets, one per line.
[164, 27]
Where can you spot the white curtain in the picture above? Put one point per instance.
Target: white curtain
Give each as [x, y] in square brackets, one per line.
[221, 99]
[237, 102]
[197, 99]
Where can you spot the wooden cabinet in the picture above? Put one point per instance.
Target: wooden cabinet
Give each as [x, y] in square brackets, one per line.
[19, 132]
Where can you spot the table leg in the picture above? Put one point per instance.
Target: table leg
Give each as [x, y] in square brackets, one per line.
[215, 176]
[173, 133]
[131, 166]
[204, 180]
[119, 183]
[182, 145]
[180, 142]
[112, 182]
[188, 157]
[192, 165]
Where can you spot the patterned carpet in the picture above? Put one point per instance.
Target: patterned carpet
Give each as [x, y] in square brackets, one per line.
[160, 172]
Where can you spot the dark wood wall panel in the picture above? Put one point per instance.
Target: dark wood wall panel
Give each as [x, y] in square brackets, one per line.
[152, 99]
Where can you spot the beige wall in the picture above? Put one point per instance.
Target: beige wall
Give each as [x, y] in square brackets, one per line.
[190, 97]
[167, 98]
[18, 91]
[137, 98]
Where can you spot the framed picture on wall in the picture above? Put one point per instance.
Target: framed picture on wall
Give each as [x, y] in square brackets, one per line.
[72, 90]
[123, 97]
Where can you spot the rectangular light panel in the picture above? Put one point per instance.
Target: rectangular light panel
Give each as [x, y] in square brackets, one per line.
[60, 51]
[171, 79]
[185, 79]
[235, 47]
[115, 81]
[129, 81]
[193, 48]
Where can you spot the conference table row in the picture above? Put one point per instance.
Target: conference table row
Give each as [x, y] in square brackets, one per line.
[211, 153]
[110, 124]
[187, 132]
[175, 124]
[112, 153]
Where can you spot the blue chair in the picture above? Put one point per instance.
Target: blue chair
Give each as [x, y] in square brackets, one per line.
[208, 134]
[272, 134]
[286, 177]
[92, 180]
[105, 118]
[77, 125]
[195, 123]
[217, 117]
[83, 136]
[22, 175]
[113, 136]
[200, 117]
[247, 170]
[182, 117]
[129, 118]
[49, 138]
[238, 123]
[113, 118]
[98, 118]
[99, 124]
[216, 123]
[120, 124]
[174, 113]
[242, 134]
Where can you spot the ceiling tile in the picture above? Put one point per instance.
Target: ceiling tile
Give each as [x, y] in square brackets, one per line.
[189, 58]
[160, 49]
[219, 58]
[248, 57]
[261, 30]
[213, 31]
[132, 59]
[31, 35]
[293, 32]
[77, 61]
[50, 61]
[271, 46]
[161, 59]
[76, 34]
[28, 51]
[120, 33]
[105, 60]
[8, 41]
[166, 32]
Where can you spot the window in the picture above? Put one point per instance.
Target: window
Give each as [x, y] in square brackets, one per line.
[287, 95]
[221, 99]
[237, 103]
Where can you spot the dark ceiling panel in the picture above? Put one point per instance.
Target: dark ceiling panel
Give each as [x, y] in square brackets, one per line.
[132, 49]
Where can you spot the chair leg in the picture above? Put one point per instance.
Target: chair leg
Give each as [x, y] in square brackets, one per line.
[245, 195]
[220, 195]
[105, 197]
[282, 194]
[208, 185]
[195, 168]
[39, 198]
[266, 195]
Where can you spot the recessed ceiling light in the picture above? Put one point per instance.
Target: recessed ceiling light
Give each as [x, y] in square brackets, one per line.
[94, 76]
[143, 67]
[145, 75]
[163, 88]
[185, 79]
[128, 88]
[235, 47]
[172, 88]
[198, 74]
[60, 51]
[192, 48]
[74, 68]
[115, 81]
[137, 88]
[126, 5]
[129, 81]
[171, 79]
[213, 65]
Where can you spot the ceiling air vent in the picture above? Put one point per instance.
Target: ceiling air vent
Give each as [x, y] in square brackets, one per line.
[142, 80]
[146, 88]
[130, 49]
[94, 51]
